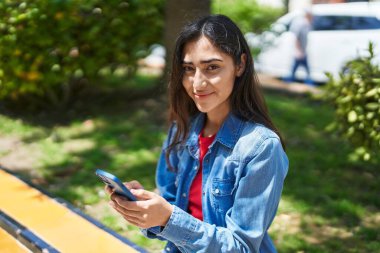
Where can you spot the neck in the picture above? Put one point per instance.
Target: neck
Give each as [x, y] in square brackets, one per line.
[213, 122]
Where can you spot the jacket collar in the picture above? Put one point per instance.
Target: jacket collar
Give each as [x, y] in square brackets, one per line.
[227, 135]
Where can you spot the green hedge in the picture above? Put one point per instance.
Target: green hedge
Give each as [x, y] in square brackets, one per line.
[248, 14]
[356, 97]
[50, 48]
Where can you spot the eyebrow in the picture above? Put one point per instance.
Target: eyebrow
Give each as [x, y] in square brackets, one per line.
[204, 61]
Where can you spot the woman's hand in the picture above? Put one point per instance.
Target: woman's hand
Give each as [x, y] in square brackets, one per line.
[149, 211]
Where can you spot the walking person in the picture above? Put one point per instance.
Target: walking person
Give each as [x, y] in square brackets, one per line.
[301, 27]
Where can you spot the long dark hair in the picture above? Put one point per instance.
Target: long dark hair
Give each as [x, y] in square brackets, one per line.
[246, 101]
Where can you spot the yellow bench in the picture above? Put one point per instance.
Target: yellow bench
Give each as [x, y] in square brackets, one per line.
[8, 244]
[64, 228]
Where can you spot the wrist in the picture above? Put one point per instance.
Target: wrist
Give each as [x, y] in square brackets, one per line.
[168, 214]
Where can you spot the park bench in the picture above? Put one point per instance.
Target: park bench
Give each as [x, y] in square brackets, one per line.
[33, 221]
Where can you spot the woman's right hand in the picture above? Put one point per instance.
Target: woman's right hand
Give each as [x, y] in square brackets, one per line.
[134, 184]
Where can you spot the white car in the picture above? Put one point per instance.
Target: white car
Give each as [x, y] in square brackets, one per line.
[341, 32]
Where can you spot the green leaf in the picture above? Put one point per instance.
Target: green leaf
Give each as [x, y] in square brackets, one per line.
[352, 116]
[371, 92]
[372, 106]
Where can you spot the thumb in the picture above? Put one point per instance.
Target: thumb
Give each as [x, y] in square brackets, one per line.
[142, 194]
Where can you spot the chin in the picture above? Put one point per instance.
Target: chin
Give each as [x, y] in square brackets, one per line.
[203, 109]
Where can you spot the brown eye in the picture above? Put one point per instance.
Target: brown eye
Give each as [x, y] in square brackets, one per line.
[212, 67]
[188, 68]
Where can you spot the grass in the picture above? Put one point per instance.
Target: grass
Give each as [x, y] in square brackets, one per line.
[335, 200]
[329, 204]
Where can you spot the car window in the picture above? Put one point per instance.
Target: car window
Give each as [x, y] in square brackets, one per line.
[364, 23]
[331, 23]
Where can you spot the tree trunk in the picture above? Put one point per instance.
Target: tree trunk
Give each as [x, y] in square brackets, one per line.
[177, 14]
[286, 6]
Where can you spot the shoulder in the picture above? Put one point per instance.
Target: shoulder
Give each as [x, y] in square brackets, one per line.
[194, 127]
[256, 138]
[256, 133]
[194, 122]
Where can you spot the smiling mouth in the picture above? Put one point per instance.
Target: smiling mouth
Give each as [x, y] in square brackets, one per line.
[202, 95]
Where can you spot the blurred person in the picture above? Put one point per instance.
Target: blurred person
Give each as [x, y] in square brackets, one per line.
[301, 27]
[222, 167]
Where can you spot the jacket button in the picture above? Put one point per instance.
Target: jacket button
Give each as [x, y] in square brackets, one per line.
[217, 191]
[184, 195]
[167, 249]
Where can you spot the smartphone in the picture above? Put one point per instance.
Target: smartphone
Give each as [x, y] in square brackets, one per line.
[115, 183]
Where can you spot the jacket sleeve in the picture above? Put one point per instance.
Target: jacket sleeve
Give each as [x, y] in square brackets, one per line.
[247, 221]
[165, 179]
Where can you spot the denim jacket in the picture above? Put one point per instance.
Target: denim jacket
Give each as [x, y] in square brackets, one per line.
[243, 174]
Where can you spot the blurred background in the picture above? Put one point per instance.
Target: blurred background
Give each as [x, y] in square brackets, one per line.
[83, 86]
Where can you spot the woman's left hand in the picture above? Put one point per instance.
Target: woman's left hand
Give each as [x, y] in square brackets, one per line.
[149, 210]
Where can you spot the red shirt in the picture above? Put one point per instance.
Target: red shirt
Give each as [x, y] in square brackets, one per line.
[195, 195]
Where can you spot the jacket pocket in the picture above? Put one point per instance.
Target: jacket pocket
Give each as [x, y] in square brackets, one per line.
[222, 194]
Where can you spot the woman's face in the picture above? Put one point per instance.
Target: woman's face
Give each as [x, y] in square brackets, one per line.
[209, 76]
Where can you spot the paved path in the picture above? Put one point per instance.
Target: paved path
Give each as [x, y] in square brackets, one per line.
[272, 83]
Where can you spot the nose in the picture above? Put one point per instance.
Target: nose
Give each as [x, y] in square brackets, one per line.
[198, 79]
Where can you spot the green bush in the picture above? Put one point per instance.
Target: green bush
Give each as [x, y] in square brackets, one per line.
[48, 49]
[356, 97]
[248, 14]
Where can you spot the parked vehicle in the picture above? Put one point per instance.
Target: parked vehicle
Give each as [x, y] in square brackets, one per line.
[340, 32]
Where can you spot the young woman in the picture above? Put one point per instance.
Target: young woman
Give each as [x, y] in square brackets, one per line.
[222, 167]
